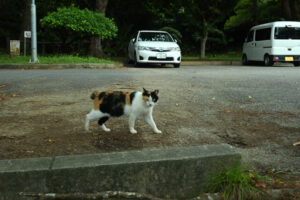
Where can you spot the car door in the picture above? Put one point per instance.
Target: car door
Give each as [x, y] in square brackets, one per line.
[249, 46]
[131, 48]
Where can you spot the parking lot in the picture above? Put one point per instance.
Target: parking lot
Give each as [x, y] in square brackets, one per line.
[255, 109]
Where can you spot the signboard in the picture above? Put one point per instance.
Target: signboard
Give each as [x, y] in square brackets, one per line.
[27, 34]
[14, 47]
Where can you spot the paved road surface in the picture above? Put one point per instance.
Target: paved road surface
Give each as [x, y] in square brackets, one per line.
[255, 109]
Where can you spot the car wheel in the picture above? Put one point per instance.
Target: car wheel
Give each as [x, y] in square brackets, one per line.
[296, 64]
[177, 65]
[268, 61]
[245, 60]
[135, 62]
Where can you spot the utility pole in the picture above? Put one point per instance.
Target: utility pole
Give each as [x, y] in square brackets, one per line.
[34, 58]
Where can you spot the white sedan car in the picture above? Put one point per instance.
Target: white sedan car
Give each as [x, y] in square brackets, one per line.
[154, 47]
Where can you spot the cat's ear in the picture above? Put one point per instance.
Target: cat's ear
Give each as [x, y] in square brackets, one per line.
[156, 92]
[144, 90]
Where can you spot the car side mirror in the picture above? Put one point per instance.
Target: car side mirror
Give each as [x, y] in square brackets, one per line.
[133, 40]
[175, 41]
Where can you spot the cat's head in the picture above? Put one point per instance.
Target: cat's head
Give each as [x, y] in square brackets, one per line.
[150, 97]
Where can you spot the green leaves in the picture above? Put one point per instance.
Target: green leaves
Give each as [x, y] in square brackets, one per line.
[83, 21]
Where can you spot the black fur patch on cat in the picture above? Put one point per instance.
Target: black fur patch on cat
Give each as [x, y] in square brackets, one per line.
[102, 120]
[154, 96]
[112, 102]
[132, 95]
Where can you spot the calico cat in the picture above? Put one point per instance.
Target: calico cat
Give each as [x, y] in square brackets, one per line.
[117, 103]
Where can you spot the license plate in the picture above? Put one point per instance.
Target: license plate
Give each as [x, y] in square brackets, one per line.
[161, 56]
[289, 58]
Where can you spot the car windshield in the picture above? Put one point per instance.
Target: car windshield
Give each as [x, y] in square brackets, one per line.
[155, 36]
[282, 33]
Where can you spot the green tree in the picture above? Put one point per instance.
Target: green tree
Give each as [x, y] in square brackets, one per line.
[253, 12]
[75, 23]
[290, 9]
[95, 45]
[203, 18]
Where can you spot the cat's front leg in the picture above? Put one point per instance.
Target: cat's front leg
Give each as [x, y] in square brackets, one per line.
[132, 119]
[150, 121]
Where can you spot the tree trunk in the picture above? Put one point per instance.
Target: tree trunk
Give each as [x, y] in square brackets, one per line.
[294, 10]
[286, 9]
[26, 24]
[95, 45]
[203, 44]
[254, 8]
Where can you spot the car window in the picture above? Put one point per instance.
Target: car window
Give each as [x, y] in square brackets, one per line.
[282, 33]
[263, 34]
[155, 36]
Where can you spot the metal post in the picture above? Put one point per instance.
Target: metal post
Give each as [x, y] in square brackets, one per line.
[34, 58]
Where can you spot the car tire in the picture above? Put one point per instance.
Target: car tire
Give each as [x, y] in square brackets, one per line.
[135, 62]
[296, 64]
[177, 65]
[268, 61]
[245, 60]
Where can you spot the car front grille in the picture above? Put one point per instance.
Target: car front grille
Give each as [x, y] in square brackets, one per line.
[160, 50]
[161, 59]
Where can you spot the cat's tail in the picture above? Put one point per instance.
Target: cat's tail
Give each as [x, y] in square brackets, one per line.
[93, 95]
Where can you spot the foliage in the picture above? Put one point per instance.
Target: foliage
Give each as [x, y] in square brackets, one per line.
[265, 11]
[175, 33]
[237, 184]
[68, 29]
[83, 21]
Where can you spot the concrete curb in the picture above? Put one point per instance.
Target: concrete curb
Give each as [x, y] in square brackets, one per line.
[174, 172]
[209, 63]
[61, 66]
[106, 66]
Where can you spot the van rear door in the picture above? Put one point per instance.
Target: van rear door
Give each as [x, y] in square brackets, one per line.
[286, 41]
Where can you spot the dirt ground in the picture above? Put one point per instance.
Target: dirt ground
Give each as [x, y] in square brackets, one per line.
[53, 124]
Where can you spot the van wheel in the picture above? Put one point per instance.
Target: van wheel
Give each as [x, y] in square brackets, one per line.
[296, 64]
[245, 60]
[268, 61]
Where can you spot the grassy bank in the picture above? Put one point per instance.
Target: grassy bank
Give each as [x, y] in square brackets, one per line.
[230, 56]
[58, 59]
[65, 59]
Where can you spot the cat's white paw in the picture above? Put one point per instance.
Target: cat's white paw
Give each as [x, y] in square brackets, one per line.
[104, 128]
[133, 131]
[157, 131]
[86, 127]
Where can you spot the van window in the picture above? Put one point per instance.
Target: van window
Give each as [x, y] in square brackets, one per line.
[250, 36]
[263, 34]
[282, 33]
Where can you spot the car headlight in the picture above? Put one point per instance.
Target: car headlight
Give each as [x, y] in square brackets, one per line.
[175, 49]
[143, 48]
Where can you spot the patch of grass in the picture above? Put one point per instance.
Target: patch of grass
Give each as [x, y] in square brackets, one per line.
[58, 59]
[237, 183]
[230, 56]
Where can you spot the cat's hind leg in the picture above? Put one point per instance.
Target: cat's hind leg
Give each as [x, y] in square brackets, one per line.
[132, 119]
[93, 115]
[101, 122]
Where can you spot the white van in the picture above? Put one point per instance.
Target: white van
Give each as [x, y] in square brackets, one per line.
[273, 42]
